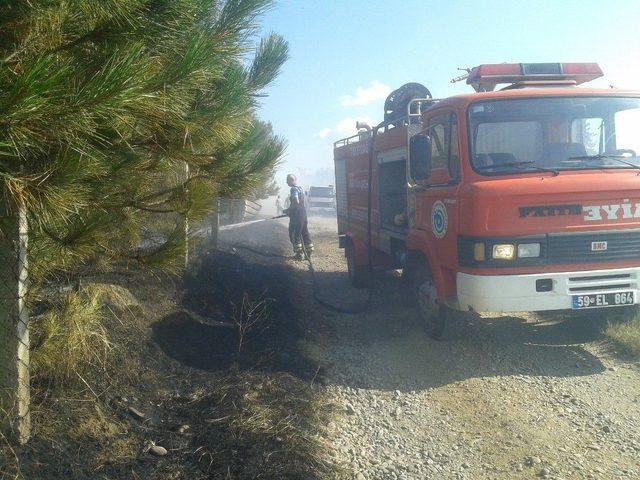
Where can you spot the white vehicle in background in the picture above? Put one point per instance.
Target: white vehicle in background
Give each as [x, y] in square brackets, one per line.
[322, 198]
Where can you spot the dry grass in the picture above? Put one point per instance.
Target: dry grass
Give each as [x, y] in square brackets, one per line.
[69, 339]
[9, 461]
[250, 425]
[81, 438]
[117, 445]
[117, 298]
[264, 426]
[625, 331]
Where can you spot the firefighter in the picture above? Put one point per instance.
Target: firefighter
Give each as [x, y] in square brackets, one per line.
[298, 228]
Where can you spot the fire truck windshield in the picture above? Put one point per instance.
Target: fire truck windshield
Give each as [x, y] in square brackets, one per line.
[554, 133]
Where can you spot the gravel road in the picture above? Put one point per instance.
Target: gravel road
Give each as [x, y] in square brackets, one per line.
[521, 396]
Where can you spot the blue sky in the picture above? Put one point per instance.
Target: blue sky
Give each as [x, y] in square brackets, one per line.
[346, 56]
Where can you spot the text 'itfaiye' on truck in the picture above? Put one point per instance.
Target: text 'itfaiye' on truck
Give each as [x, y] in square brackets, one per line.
[525, 198]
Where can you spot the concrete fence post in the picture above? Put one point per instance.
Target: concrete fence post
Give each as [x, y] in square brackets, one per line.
[215, 225]
[15, 393]
[186, 222]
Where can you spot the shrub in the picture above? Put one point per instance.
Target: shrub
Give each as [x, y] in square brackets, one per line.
[69, 338]
[626, 333]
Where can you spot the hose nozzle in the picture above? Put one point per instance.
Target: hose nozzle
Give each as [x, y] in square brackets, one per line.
[360, 125]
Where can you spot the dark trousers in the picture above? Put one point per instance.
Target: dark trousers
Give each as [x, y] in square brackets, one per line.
[299, 232]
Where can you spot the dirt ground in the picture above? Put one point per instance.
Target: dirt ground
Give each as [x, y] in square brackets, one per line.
[520, 396]
[317, 393]
[180, 397]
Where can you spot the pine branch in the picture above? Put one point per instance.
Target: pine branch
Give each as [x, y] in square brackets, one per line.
[103, 104]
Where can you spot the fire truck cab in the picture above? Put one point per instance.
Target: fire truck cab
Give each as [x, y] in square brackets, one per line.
[525, 198]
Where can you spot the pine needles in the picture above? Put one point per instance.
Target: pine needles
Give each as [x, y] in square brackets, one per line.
[104, 103]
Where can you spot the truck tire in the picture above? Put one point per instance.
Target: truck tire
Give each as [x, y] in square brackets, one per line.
[439, 321]
[358, 274]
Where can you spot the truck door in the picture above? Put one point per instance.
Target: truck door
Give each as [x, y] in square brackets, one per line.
[435, 208]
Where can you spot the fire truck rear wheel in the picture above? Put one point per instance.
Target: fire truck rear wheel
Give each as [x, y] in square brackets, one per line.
[358, 274]
[439, 321]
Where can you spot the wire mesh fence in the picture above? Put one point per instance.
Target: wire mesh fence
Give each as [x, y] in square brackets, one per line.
[236, 210]
[15, 388]
[252, 209]
[226, 211]
[14, 326]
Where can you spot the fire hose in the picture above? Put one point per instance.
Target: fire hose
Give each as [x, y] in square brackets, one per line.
[336, 308]
[370, 284]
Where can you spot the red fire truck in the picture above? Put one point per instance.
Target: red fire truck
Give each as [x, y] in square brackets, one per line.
[525, 198]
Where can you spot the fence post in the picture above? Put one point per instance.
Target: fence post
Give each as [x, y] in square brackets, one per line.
[215, 225]
[15, 396]
[186, 222]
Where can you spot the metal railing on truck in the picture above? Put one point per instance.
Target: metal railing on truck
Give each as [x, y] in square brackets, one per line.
[407, 120]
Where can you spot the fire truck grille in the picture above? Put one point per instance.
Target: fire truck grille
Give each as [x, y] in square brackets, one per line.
[577, 248]
[590, 283]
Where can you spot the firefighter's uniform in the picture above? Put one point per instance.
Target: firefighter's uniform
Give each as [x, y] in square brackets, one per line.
[298, 228]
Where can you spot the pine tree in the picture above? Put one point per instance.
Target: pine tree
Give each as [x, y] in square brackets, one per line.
[119, 118]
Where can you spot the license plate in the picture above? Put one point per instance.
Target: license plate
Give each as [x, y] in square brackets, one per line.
[599, 300]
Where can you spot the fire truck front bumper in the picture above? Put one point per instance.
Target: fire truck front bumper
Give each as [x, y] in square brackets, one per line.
[548, 291]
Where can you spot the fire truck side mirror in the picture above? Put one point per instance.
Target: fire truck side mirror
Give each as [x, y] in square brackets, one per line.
[420, 157]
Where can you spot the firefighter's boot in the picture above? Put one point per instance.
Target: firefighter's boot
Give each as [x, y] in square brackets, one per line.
[308, 250]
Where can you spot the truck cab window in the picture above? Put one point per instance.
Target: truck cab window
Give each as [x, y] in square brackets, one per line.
[572, 133]
[439, 153]
[503, 142]
[445, 160]
[590, 132]
[627, 126]
[454, 151]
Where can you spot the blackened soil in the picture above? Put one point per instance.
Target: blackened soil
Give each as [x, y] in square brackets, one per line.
[215, 290]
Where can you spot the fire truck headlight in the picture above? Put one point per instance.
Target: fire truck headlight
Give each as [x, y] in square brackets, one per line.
[504, 251]
[528, 250]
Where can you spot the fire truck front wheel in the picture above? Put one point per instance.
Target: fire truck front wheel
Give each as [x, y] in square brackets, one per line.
[439, 321]
[358, 274]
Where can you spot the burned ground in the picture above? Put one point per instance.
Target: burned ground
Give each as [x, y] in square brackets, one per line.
[519, 396]
[178, 382]
[215, 290]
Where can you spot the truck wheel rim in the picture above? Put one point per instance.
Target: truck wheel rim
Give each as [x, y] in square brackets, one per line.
[427, 297]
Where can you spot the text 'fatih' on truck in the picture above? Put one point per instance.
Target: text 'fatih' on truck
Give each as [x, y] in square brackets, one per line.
[522, 199]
